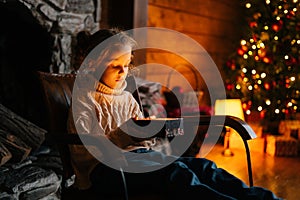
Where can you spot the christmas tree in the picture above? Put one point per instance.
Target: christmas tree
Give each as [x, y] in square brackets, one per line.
[264, 72]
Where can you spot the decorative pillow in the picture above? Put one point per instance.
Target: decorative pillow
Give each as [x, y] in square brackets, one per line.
[152, 100]
[180, 103]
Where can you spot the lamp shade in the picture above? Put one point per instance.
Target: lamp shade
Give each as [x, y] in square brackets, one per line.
[231, 107]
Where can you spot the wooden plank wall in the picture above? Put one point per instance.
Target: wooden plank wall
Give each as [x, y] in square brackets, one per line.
[216, 25]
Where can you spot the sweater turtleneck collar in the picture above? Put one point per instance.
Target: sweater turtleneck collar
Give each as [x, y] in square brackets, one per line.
[107, 90]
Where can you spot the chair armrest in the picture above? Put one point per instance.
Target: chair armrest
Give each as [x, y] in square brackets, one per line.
[240, 126]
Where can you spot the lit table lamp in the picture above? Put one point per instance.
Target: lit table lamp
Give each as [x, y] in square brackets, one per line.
[231, 107]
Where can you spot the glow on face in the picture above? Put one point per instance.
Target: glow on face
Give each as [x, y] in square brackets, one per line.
[117, 67]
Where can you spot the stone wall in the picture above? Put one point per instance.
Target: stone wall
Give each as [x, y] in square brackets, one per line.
[63, 19]
[39, 35]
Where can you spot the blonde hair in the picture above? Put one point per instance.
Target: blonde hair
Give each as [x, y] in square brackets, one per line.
[89, 55]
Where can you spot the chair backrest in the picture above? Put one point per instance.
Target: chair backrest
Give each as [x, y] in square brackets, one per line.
[57, 94]
[57, 91]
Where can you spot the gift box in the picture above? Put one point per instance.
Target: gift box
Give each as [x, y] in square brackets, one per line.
[255, 145]
[281, 146]
[289, 128]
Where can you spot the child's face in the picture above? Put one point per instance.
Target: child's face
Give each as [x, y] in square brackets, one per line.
[117, 68]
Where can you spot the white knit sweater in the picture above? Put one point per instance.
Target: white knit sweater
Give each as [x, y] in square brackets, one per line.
[102, 110]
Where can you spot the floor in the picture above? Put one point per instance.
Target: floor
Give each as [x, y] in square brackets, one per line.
[278, 174]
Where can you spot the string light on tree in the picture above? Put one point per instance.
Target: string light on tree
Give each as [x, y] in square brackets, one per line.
[264, 71]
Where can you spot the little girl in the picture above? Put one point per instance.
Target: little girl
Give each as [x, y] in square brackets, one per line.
[106, 107]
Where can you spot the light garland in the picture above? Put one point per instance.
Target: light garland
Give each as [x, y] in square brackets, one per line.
[269, 59]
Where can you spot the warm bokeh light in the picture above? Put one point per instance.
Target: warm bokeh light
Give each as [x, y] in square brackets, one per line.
[270, 51]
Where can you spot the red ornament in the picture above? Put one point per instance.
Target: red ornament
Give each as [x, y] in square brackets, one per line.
[276, 27]
[240, 52]
[233, 66]
[257, 15]
[244, 48]
[229, 86]
[287, 82]
[253, 24]
[267, 60]
[267, 86]
[262, 52]
[254, 37]
[245, 106]
[249, 103]
[291, 61]
[298, 26]
[228, 63]
[287, 85]
[262, 114]
[290, 14]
